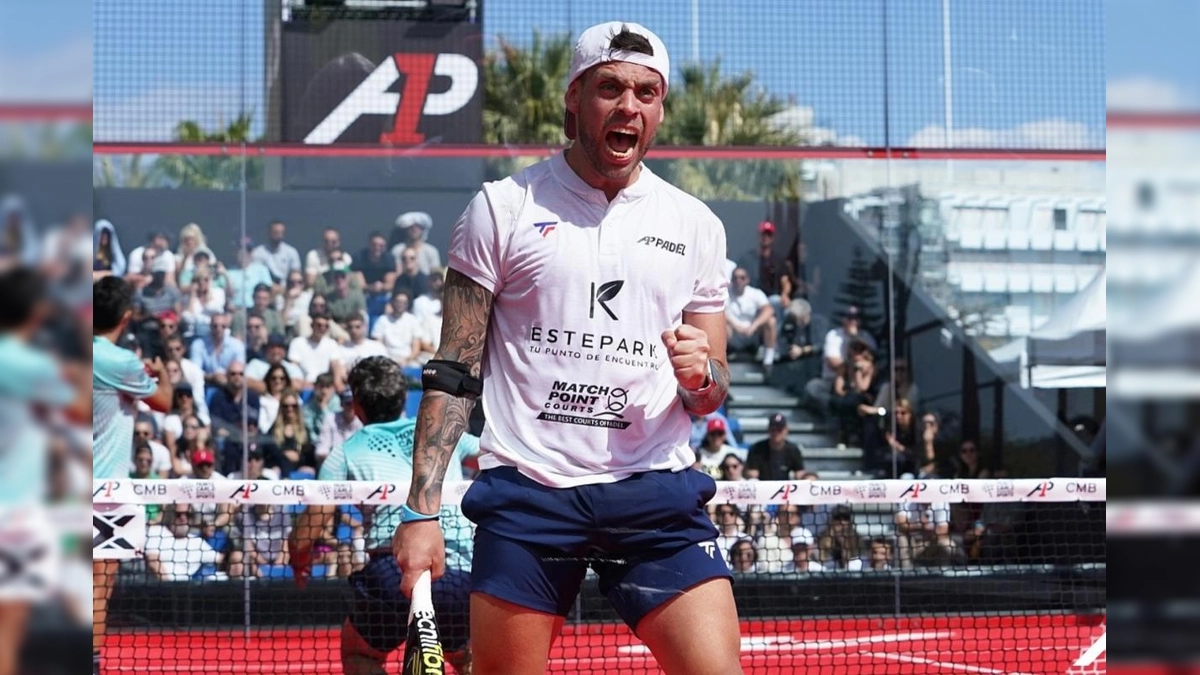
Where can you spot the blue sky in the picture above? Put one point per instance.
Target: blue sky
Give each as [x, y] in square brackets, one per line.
[1023, 70]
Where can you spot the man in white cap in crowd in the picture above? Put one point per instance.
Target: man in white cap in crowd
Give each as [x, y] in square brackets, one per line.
[599, 291]
[413, 228]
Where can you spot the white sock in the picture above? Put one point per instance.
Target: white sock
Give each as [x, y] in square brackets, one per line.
[769, 356]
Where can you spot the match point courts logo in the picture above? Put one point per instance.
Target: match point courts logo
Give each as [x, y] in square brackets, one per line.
[586, 404]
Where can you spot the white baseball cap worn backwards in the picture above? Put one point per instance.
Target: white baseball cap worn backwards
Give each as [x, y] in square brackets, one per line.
[594, 47]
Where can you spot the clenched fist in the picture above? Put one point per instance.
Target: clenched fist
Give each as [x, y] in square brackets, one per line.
[687, 347]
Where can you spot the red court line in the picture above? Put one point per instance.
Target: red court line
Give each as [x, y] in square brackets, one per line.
[348, 150]
[1004, 645]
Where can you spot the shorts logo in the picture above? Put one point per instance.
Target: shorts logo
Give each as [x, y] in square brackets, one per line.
[710, 547]
[600, 296]
[586, 404]
[546, 227]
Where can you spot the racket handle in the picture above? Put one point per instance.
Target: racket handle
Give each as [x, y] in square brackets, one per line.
[422, 595]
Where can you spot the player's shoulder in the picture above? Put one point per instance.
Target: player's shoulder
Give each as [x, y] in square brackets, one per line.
[506, 195]
[686, 205]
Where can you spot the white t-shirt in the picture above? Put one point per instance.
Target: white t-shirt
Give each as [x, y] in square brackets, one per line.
[837, 343]
[313, 359]
[178, 558]
[577, 385]
[397, 334]
[744, 308]
[353, 353]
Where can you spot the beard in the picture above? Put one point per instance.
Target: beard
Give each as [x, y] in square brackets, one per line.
[596, 152]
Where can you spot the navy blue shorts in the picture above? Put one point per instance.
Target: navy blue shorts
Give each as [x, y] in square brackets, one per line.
[380, 610]
[647, 537]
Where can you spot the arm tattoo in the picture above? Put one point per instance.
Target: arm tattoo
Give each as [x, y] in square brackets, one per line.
[710, 398]
[442, 418]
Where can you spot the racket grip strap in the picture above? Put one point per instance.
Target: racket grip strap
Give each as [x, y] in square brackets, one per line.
[408, 515]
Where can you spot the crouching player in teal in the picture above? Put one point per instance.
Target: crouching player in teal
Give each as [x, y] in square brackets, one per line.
[382, 451]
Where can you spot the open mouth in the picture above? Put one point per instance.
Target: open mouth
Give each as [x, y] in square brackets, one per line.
[621, 143]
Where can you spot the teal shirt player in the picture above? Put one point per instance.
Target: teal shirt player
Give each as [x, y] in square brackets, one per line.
[27, 377]
[383, 452]
[119, 381]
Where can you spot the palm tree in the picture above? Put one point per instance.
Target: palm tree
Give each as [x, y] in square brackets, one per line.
[523, 96]
[708, 108]
[212, 173]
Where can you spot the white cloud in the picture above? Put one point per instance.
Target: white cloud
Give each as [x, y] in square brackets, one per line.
[152, 116]
[1148, 94]
[1050, 134]
[62, 76]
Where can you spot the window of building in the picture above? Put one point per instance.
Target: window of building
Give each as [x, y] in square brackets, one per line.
[1060, 220]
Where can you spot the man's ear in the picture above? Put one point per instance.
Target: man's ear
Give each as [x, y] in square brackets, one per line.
[570, 115]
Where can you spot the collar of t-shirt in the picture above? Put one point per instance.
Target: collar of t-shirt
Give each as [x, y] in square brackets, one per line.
[567, 177]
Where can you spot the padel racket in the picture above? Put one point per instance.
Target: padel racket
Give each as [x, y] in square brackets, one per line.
[423, 648]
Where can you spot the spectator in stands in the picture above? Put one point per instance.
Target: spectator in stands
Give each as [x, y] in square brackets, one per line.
[400, 331]
[429, 304]
[802, 561]
[772, 543]
[210, 521]
[329, 257]
[159, 248]
[204, 301]
[730, 527]
[345, 302]
[143, 467]
[196, 437]
[881, 554]
[215, 352]
[256, 334]
[775, 457]
[144, 436]
[320, 305]
[411, 279]
[918, 526]
[229, 401]
[140, 278]
[274, 354]
[750, 319]
[107, 256]
[191, 242]
[930, 442]
[315, 353]
[256, 467]
[412, 229]
[840, 545]
[262, 535]
[183, 406]
[769, 267]
[337, 427]
[173, 551]
[732, 468]
[291, 440]
[835, 352]
[713, 450]
[796, 332]
[277, 386]
[700, 428]
[243, 280]
[853, 405]
[264, 306]
[967, 463]
[158, 295]
[904, 444]
[905, 388]
[322, 402]
[359, 346]
[743, 557]
[279, 257]
[376, 270]
[294, 302]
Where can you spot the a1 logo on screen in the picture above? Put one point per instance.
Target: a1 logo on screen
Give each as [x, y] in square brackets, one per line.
[373, 96]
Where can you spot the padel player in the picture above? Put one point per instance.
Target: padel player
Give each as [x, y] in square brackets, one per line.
[119, 381]
[599, 290]
[382, 451]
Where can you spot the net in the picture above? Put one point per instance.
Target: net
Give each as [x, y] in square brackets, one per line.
[891, 576]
